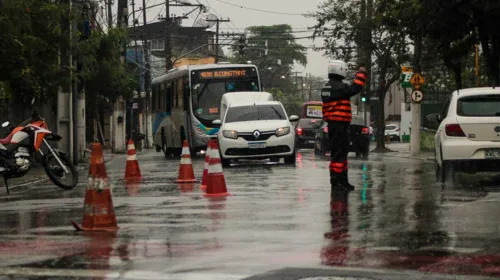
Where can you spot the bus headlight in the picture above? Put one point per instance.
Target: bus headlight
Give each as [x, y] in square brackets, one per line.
[233, 134]
[282, 131]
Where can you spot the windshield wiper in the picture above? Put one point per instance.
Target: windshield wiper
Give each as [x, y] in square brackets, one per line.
[279, 115]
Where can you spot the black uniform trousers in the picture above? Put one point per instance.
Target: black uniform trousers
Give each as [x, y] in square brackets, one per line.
[339, 147]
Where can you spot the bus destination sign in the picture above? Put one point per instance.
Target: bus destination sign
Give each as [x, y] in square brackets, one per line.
[221, 74]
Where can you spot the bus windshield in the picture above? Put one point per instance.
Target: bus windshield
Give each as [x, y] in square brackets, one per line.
[208, 87]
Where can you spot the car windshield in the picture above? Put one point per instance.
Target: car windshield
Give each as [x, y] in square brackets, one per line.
[390, 127]
[255, 113]
[479, 106]
[207, 95]
[308, 123]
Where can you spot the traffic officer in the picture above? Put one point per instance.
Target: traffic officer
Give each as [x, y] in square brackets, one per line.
[336, 96]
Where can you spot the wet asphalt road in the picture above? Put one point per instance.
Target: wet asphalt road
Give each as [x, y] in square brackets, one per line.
[398, 219]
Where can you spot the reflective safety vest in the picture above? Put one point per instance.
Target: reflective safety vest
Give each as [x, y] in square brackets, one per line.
[337, 111]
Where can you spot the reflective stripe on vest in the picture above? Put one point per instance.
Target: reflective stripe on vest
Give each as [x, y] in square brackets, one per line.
[339, 111]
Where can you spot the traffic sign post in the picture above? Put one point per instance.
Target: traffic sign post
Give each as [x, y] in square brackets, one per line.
[407, 74]
[417, 96]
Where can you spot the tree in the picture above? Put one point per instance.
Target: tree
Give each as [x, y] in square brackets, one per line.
[339, 22]
[283, 53]
[29, 49]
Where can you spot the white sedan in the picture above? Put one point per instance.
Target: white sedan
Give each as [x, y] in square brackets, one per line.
[256, 130]
[468, 136]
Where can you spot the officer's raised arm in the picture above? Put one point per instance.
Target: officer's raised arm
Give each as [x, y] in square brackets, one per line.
[359, 82]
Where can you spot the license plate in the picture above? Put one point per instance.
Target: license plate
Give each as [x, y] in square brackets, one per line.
[257, 145]
[311, 142]
[493, 153]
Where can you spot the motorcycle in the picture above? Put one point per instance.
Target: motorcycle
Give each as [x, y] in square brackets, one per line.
[18, 153]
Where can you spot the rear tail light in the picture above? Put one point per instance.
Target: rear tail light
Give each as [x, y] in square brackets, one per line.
[454, 130]
[299, 131]
[325, 129]
[364, 130]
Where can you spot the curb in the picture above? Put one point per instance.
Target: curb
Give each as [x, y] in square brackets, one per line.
[41, 179]
[409, 157]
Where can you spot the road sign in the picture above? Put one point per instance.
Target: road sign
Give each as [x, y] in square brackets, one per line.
[405, 80]
[417, 80]
[417, 96]
[406, 69]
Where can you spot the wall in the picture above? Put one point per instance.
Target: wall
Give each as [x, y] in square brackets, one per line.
[397, 97]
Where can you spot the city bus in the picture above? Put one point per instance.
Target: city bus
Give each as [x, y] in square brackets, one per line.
[186, 101]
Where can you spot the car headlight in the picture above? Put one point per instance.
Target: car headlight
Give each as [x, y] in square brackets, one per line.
[233, 134]
[282, 131]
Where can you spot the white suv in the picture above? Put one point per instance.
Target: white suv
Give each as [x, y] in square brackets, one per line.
[468, 136]
[257, 130]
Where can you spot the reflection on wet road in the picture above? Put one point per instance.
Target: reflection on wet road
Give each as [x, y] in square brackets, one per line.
[278, 216]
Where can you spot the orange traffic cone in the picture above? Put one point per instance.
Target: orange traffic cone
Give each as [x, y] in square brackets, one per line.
[204, 180]
[186, 172]
[216, 186]
[132, 171]
[98, 211]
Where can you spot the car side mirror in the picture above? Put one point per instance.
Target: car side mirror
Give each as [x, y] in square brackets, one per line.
[217, 122]
[5, 124]
[293, 118]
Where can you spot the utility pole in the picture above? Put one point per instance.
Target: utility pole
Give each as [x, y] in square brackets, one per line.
[78, 94]
[64, 97]
[217, 22]
[119, 121]
[109, 4]
[416, 107]
[147, 78]
[168, 46]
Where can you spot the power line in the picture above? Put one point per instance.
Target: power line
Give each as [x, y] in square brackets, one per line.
[259, 10]
[212, 8]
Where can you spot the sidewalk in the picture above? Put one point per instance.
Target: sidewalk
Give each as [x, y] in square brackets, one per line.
[402, 150]
[38, 175]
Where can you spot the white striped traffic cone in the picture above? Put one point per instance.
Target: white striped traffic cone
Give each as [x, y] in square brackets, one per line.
[186, 172]
[204, 180]
[132, 171]
[216, 186]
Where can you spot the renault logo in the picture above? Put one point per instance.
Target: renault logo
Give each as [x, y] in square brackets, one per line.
[497, 129]
[256, 134]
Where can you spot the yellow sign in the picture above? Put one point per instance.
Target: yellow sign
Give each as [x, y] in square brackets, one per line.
[194, 61]
[417, 80]
[406, 69]
[314, 111]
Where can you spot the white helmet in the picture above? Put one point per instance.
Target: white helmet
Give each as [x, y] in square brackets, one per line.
[338, 67]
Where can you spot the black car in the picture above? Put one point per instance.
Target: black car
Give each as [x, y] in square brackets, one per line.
[305, 132]
[359, 138]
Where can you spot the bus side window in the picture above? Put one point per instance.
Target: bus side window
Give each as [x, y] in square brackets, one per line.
[176, 94]
[185, 95]
[158, 97]
[168, 98]
[180, 95]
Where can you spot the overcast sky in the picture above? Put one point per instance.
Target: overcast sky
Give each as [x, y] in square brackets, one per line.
[242, 17]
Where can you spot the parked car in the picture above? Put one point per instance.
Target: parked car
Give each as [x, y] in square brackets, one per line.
[305, 132]
[256, 130]
[359, 138]
[392, 131]
[468, 133]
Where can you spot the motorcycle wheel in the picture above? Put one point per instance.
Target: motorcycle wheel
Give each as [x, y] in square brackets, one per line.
[55, 172]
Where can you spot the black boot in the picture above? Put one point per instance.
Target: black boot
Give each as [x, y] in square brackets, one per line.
[336, 182]
[345, 182]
